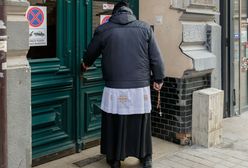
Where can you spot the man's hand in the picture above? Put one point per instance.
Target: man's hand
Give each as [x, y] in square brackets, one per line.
[157, 86]
[84, 67]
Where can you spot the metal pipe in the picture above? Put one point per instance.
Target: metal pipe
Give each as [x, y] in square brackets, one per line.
[3, 92]
[231, 64]
[240, 50]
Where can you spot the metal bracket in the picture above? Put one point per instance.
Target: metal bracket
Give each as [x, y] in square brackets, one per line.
[234, 97]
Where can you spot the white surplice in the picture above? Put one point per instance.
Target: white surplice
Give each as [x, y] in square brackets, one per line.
[126, 101]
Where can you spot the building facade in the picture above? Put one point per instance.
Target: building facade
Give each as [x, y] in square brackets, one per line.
[64, 117]
[190, 38]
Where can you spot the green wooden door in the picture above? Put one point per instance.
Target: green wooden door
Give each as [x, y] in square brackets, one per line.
[53, 81]
[66, 111]
[91, 83]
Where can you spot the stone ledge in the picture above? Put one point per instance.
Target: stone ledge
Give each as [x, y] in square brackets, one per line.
[202, 59]
[16, 6]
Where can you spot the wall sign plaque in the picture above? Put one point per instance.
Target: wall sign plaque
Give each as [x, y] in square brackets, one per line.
[202, 2]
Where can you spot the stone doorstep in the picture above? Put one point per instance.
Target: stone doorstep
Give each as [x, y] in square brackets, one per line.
[91, 158]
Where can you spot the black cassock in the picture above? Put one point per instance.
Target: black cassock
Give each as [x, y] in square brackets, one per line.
[126, 135]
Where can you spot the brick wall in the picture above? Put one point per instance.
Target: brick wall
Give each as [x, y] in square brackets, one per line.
[176, 104]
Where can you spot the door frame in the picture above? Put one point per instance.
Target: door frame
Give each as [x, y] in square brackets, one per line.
[227, 23]
[227, 48]
[78, 32]
[231, 94]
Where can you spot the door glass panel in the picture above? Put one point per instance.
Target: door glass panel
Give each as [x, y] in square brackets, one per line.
[91, 96]
[48, 51]
[102, 10]
[243, 57]
[240, 55]
[236, 52]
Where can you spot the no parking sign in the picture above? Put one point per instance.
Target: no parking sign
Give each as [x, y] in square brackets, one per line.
[104, 19]
[37, 18]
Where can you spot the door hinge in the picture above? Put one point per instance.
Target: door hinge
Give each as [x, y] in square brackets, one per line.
[226, 109]
[227, 42]
[234, 97]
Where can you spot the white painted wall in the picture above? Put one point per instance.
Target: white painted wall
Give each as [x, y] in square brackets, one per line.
[168, 34]
[174, 35]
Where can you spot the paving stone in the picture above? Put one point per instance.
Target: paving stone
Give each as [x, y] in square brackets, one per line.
[212, 158]
[198, 165]
[173, 164]
[239, 166]
[195, 159]
[234, 160]
[175, 159]
[238, 155]
[200, 153]
[160, 165]
[220, 166]
[227, 163]
[244, 163]
[187, 163]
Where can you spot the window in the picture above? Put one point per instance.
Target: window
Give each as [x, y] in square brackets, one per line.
[49, 51]
[102, 10]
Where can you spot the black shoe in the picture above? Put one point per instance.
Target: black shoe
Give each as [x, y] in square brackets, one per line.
[114, 163]
[109, 161]
[147, 162]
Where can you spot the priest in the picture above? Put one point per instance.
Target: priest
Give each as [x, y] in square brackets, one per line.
[130, 56]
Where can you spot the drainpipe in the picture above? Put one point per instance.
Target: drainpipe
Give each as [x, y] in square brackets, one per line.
[3, 92]
[240, 51]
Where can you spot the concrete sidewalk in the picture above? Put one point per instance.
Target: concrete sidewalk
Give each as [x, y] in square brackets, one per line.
[232, 153]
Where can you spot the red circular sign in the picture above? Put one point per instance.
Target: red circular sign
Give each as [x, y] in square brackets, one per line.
[105, 19]
[35, 16]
